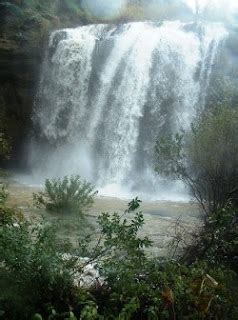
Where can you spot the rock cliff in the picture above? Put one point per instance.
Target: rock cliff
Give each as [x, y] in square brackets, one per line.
[24, 31]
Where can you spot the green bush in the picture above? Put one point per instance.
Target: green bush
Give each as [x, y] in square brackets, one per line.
[205, 158]
[9, 216]
[143, 287]
[33, 274]
[69, 194]
[54, 316]
[36, 280]
[217, 242]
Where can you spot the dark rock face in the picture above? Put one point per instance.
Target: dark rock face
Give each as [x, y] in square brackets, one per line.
[22, 43]
[18, 77]
[24, 32]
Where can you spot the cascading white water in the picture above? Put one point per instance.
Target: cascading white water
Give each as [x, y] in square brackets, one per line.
[107, 92]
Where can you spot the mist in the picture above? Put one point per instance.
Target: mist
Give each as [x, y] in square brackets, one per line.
[104, 9]
[187, 10]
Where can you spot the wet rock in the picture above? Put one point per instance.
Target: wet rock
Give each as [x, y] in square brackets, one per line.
[85, 272]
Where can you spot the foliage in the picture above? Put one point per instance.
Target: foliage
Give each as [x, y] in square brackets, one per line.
[139, 286]
[69, 194]
[33, 274]
[54, 315]
[171, 156]
[218, 240]
[37, 281]
[199, 158]
[206, 159]
[143, 287]
[74, 12]
[9, 216]
[64, 9]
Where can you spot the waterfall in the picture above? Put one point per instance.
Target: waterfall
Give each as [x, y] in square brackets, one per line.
[107, 92]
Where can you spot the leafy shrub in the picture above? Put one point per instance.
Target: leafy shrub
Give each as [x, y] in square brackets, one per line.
[199, 158]
[54, 315]
[9, 216]
[143, 287]
[33, 274]
[69, 194]
[217, 242]
[36, 280]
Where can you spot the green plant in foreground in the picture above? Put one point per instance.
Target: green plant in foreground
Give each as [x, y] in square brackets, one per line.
[35, 279]
[33, 274]
[54, 316]
[217, 242]
[69, 194]
[9, 216]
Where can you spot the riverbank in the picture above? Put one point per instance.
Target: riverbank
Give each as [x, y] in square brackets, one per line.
[163, 219]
